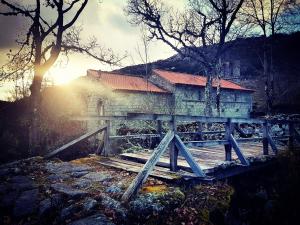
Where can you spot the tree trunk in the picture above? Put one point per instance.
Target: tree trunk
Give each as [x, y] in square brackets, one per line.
[35, 88]
[208, 96]
[266, 75]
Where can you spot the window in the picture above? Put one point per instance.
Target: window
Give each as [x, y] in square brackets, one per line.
[235, 97]
[100, 108]
[201, 95]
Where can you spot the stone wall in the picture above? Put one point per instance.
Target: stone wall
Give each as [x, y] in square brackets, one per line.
[119, 103]
[190, 100]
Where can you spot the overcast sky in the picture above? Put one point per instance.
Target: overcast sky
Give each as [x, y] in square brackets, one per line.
[106, 21]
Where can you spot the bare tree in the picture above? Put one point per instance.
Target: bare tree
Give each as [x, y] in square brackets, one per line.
[270, 17]
[202, 24]
[51, 32]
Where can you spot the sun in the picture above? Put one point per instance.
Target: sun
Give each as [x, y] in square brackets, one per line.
[61, 79]
[60, 76]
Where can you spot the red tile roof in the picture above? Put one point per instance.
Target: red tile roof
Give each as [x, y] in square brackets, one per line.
[189, 79]
[125, 82]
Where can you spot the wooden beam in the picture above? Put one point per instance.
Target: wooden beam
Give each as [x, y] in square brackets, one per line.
[160, 129]
[272, 143]
[133, 136]
[205, 143]
[188, 156]
[148, 167]
[238, 151]
[200, 130]
[71, 143]
[228, 146]
[172, 148]
[186, 118]
[106, 147]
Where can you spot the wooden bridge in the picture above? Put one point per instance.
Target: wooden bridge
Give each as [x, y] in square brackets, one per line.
[199, 159]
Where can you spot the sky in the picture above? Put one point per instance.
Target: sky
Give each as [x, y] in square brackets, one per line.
[107, 21]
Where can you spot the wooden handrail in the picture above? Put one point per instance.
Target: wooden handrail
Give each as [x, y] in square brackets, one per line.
[71, 143]
[186, 118]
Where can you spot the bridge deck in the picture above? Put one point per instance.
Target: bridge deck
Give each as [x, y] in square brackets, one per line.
[211, 159]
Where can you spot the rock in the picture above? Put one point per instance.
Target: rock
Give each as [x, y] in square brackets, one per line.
[114, 205]
[68, 190]
[87, 180]
[79, 174]
[8, 200]
[4, 172]
[145, 205]
[21, 183]
[113, 189]
[20, 179]
[50, 204]
[82, 183]
[89, 204]
[276, 130]
[57, 177]
[69, 212]
[65, 167]
[26, 204]
[97, 219]
[17, 170]
[97, 177]
[154, 203]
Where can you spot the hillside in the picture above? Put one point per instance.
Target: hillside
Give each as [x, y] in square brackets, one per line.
[248, 52]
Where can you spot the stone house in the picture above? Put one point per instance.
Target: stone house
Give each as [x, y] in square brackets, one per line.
[164, 92]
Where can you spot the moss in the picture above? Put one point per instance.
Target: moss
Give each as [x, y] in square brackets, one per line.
[204, 215]
[155, 189]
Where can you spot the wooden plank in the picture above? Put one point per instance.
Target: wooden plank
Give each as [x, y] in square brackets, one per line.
[189, 158]
[71, 143]
[238, 151]
[148, 167]
[165, 162]
[137, 168]
[175, 175]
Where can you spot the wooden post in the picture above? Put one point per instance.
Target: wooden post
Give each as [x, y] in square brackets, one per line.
[200, 129]
[106, 147]
[173, 148]
[228, 147]
[148, 167]
[272, 143]
[159, 129]
[265, 138]
[291, 135]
